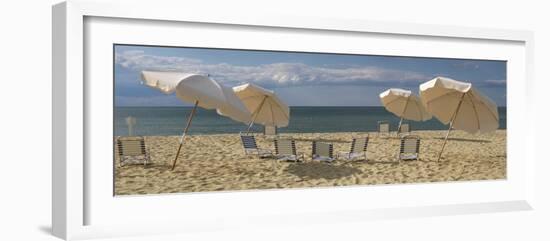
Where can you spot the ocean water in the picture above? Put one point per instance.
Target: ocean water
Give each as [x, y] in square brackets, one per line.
[161, 121]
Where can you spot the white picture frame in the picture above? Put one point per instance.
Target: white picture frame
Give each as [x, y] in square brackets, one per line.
[71, 108]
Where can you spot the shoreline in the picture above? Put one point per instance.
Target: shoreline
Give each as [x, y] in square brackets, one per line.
[305, 133]
[216, 162]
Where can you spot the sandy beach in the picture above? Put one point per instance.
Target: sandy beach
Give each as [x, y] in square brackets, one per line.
[218, 162]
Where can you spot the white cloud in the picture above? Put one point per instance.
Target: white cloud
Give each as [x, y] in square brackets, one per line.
[160, 100]
[276, 74]
[467, 64]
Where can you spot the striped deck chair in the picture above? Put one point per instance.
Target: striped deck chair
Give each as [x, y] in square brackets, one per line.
[251, 148]
[383, 128]
[270, 130]
[410, 148]
[131, 148]
[358, 149]
[285, 150]
[405, 128]
[321, 151]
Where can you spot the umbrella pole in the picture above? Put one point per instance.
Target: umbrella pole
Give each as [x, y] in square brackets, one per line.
[399, 127]
[450, 127]
[250, 126]
[256, 111]
[251, 123]
[445, 142]
[189, 119]
[402, 114]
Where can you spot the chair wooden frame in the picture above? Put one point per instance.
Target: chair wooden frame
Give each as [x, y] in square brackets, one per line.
[268, 133]
[355, 150]
[250, 147]
[409, 148]
[322, 151]
[382, 129]
[404, 128]
[285, 149]
[132, 147]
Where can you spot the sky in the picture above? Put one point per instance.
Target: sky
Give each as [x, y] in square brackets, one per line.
[300, 79]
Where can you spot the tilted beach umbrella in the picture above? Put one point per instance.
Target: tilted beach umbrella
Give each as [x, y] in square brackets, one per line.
[264, 106]
[200, 90]
[404, 104]
[460, 105]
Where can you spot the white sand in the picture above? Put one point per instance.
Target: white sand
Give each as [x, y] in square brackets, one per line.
[217, 162]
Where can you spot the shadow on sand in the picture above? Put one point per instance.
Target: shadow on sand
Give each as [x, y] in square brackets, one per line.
[316, 170]
[321, 140]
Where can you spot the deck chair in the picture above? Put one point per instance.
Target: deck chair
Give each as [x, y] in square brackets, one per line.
[405, 128]
[410, 148]
[321, 151]
[251, 148]
[270, 130]
[285, 150]
[358, 149]
[130, 148]
[383, 128]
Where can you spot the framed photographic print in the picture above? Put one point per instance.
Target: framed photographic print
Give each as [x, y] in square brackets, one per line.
[195, 122]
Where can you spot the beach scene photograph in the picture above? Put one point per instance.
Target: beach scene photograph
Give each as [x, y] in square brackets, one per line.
[190, 120]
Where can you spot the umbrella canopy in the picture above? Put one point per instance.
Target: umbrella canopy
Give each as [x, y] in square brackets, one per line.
[404, 104]
[192, 87]
[460, 105]
[200, 90]
[264, 105]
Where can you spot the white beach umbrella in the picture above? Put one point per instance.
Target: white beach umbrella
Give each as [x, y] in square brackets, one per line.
[200, 90]
[264, 105]
[460, 105]
[404, 104]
